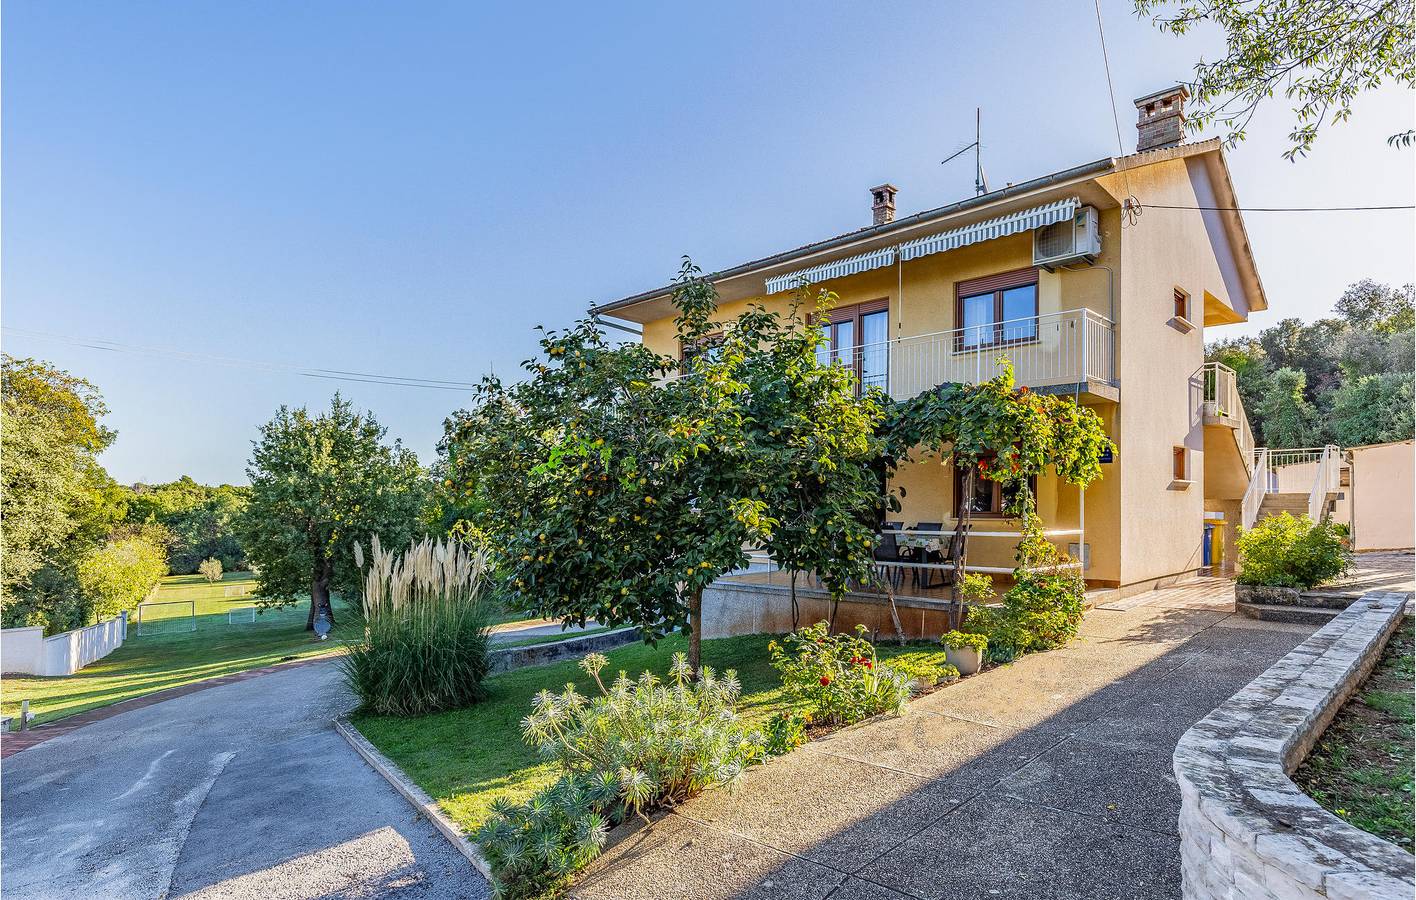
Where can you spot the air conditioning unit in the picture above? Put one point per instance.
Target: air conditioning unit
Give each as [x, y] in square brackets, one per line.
[1073, 240]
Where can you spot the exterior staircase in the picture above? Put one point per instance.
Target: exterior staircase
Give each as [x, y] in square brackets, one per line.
[1318, 466]
[1275, 504]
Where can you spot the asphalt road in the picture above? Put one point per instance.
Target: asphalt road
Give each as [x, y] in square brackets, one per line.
[241, 791]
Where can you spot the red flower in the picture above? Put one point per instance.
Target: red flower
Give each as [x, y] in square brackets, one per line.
[825, 680]
[869, 664]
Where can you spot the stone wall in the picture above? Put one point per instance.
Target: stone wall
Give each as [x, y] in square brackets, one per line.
[1247, 831]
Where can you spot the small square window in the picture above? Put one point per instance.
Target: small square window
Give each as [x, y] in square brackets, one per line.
[1182, 304]
[1178, 463]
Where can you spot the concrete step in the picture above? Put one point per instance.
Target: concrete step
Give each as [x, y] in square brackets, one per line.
[1300, 615]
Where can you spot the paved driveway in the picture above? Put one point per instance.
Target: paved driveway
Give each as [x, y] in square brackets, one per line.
[1049, 778]
[240, 791]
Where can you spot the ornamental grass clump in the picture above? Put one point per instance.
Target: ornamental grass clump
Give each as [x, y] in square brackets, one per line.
[426, 642]
[837, 675]
[641, 744]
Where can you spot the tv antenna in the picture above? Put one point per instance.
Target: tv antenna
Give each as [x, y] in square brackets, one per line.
[980, 178]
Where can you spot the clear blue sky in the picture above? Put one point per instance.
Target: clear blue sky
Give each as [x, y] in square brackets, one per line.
[410, 188]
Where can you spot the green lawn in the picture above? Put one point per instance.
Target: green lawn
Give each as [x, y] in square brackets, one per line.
[168, 653]
[467, 758]
[1361, 767]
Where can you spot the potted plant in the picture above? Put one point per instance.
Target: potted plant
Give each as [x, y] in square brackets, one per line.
[964, 650]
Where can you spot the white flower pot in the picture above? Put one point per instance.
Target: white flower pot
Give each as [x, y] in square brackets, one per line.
[967, 660]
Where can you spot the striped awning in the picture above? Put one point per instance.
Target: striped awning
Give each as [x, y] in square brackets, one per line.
[987, 230]
[851, 265]
[1013, 223]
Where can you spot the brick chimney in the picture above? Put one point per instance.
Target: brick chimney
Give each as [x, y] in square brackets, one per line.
[883, 203]
[1161, 120]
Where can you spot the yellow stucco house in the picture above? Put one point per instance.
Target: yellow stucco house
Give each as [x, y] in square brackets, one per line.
[1086, 298]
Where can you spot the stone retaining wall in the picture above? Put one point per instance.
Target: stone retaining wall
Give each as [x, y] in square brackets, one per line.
[1247, 831]
[504, 659]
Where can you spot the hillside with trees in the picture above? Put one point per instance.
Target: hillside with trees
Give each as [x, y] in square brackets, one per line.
[199, 519]
[1344, 380]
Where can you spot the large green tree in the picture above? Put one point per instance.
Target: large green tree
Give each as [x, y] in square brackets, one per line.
[319, 483]
[1320, 54]
[1373, 409]
[616, 487]
[56, 500]
[1289, 419]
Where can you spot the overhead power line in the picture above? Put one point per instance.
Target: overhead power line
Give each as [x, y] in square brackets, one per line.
[236, 362]
[1282, 208]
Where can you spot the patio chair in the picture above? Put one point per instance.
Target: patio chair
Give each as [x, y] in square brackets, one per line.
[887, 550]
[924, 578]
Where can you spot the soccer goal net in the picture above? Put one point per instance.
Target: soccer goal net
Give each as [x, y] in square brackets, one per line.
[245, 615]
[167, 617]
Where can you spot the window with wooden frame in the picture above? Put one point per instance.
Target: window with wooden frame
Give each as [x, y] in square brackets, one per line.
[1182, 305]
[988, 498]
[1179, 458]
[858, 336]
[997, 310]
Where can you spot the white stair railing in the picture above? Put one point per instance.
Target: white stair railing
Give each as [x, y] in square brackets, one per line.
[1258, 486]
[1327, 480]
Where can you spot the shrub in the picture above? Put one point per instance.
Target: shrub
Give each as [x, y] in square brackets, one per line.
[533, 847]
[426, 630]
[1283, 551]
[976, 588]
[210, 569]
[785, 732]
[926, 667]
[837, 675]
[1046, 607]
[965, 640]
[1041, 611]
[120, 573]
[638, 745]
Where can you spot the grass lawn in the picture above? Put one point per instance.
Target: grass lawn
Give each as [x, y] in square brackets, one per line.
[1361, 768]
[168, 653]
[466, 758]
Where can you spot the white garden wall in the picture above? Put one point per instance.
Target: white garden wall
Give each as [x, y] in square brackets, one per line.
[26, 651]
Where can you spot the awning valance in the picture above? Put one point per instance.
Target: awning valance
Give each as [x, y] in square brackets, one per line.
[851, 265]
[1013, 223]
[987, 230]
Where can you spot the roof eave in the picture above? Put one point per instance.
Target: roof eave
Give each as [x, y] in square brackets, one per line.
[865, 235]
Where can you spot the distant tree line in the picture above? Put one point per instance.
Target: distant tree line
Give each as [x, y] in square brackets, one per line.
[1346, 379]
[76, 546]
[200, 521]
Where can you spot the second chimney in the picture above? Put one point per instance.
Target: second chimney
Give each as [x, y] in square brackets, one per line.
[883, 203]
[1161, 120]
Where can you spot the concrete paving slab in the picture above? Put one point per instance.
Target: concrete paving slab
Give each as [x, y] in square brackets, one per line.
[1104, 781]
[964, 756]
[679, 859]
[1001, 846]
[799, 806]
[856, 889]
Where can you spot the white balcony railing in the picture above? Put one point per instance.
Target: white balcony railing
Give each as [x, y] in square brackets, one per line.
[1063, 348]
[1222, 401]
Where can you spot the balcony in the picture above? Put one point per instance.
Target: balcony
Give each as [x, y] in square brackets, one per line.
[1064, 352]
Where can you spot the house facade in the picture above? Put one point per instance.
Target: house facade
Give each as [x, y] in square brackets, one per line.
[1097, 282]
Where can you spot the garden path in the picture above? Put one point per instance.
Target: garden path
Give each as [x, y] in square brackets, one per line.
[1050, 777]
